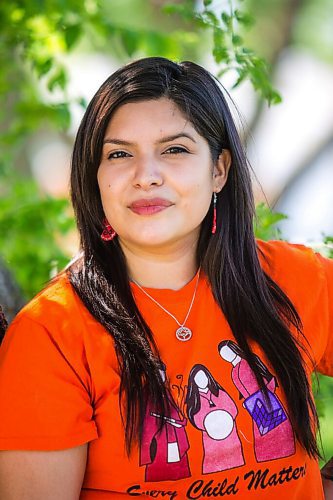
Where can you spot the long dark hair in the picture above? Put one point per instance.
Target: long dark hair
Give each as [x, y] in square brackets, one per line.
[193, 393]
[254, 305]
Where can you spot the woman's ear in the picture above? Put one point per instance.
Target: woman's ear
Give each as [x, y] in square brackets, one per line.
[221, 170]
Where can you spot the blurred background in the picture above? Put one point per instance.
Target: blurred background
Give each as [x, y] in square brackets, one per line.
[54, 54]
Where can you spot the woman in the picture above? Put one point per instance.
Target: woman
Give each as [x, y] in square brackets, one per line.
[169, 268]
[211, 410]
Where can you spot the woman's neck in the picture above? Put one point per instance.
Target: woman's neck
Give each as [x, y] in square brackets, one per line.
[171, 270]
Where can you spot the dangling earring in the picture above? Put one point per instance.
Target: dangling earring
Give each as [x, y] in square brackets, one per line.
[214, 213]
[108, 232]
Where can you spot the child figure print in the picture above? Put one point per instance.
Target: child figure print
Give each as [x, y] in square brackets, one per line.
[163, 450]
[212, 411]
[270, 423]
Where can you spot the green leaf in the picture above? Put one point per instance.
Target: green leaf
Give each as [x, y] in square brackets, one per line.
[82, 101]
[72, 35]
[207, 3]
[244, 18]
[210, 17]
[219, 36]
[58, 79]
[237, 40]
[274, 97]
[221, 54]
[226, 19]
[222, 72]
[241, 59]
[43, 66]
[242, 75]
[265, 222]
[328, 240]
[61, 115]
[260, 80]
[246, 51]
[201, 21]
[180, 9]
[130, 40]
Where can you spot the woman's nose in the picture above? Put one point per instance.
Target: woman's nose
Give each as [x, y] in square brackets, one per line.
[147, 173]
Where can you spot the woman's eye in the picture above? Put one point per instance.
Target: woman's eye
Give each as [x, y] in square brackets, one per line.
[174, 150]
[117, 154]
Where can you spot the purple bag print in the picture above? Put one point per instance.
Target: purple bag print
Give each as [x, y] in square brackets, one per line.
[266, 417]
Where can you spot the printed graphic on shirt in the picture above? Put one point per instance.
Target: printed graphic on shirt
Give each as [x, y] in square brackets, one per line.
[212, 411]
[264, 482]
[270, 422]
[179, 393]
[164, 450]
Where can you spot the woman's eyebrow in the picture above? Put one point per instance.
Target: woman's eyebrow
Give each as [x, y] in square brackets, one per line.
[176, 136]
[169, 138]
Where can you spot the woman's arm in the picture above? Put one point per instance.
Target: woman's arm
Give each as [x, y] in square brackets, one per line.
[327, 477]
[37, 475]
[328, 488]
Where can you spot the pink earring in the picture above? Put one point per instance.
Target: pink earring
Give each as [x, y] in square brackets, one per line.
[214, 213]
[108, 232]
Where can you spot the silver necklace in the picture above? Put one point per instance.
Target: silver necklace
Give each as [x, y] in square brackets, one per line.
[183, 333]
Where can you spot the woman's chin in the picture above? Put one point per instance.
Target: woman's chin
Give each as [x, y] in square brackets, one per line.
[152, 240]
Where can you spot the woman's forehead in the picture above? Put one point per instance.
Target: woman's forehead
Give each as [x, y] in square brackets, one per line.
[158, 116]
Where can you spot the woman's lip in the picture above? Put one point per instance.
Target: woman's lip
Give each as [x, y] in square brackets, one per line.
[152, 202]
[148, 210]
[149, 206]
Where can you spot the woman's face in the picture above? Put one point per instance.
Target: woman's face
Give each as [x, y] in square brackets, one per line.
[156, 175]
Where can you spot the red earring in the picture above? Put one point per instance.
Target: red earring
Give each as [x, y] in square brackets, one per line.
[214, 213]
[108, 232]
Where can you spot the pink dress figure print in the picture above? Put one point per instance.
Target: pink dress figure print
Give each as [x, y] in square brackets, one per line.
[211, 410]
[221, 443]
[278, 442]
[164, 452]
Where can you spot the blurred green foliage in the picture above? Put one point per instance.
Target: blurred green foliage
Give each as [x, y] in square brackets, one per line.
[229, 49]
[36, 36]
[265, 223]
[32, 225]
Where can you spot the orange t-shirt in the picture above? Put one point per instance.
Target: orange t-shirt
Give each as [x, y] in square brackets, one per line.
[59, 383]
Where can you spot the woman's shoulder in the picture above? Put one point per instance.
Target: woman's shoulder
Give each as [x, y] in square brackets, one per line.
[285, 260]
[307, 278]
[54, 320]
[280, 248]
[56, 298]
[57, 310]
[304, 275]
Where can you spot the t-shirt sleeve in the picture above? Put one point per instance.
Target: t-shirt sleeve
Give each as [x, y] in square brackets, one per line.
[307, 279]
[44, 398]
[325, 364]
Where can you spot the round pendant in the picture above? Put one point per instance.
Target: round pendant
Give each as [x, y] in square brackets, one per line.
[183, 334]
